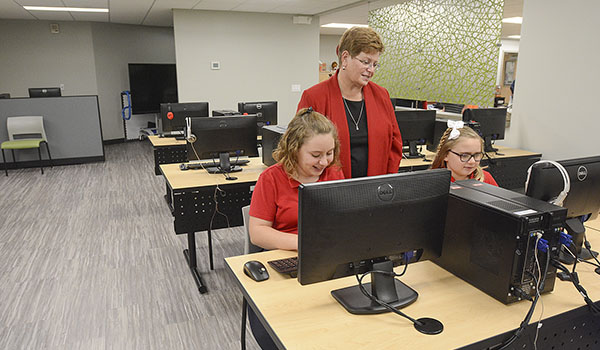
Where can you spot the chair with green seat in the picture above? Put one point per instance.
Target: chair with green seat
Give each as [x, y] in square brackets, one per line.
[25, 132]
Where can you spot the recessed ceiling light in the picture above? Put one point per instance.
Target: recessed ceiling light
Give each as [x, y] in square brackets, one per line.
[342, 25]
[514, 37]
[68, 9]
[515, 20]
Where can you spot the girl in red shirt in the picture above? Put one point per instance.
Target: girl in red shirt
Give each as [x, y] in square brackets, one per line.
[461, 150]
[307, 152]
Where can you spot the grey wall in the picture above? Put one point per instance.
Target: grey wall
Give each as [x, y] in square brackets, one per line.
[556, 89]
[327, 45]
[88, 58]
[115, 46]
[261, 56]
[33, 57]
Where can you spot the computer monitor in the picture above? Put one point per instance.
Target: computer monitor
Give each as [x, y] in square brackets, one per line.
[221, 137]
[354, 226]
[45, 92]
[172, 115]
[266, 112]
[582, 201]
[492, 122]
[416, 128]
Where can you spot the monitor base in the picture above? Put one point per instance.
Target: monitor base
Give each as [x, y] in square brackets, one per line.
[355, 302]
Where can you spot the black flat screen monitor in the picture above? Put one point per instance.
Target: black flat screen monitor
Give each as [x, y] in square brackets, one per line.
[172, 115]
[492, 122]
[222, 137]
[150, 85]
[266, 112]
[45, 92]
[416, 128]
[354, 226]
[582, 201]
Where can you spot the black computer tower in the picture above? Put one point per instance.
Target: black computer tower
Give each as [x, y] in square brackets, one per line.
[270, 139]
[490, 239]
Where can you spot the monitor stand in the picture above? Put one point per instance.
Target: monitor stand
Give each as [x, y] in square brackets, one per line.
[224, 165]
[413, 153]
[487, 145]
[576, 229]
[384, 287]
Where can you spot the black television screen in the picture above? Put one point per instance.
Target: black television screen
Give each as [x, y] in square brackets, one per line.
[150, 85]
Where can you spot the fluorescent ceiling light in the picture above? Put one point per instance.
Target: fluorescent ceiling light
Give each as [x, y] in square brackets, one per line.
[515, 20]
[514, 37]
[342, 25]
[68, 9]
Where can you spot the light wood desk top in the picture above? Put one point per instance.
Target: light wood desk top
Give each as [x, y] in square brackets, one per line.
[179, 179]
[594, 225]
[308, 317]
[158, 141]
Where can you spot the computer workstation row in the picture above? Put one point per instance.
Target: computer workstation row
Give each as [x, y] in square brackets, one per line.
[491, 247]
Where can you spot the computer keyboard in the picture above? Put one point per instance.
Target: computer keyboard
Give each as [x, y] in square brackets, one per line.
[287, 266]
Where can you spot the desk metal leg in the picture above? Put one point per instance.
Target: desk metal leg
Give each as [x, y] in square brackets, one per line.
[210, 252]
[244, 317]
[190, 255]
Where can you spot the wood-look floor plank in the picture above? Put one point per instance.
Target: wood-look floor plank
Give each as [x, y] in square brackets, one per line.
[89, 260]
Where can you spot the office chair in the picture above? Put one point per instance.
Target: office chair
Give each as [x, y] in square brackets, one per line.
[25, 132]
[248, 249]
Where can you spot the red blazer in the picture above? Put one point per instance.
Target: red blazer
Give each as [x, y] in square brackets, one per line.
[385, 142]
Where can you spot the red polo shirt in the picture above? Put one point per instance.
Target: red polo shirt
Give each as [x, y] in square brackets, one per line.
[275, 197]
[487, 178]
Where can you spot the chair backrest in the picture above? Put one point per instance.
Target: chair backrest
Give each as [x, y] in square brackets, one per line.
[248, 246]
[25, 125]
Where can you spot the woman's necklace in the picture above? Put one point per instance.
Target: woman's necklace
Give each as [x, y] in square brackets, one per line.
[356, 121]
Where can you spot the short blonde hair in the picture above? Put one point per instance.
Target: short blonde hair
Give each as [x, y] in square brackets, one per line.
[446, 145]
[306, 124]
[359, 39]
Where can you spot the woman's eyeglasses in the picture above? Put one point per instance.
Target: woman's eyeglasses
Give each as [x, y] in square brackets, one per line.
[368, 64]
[465, 157]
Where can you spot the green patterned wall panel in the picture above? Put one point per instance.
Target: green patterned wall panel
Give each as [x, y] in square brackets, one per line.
[440, 50]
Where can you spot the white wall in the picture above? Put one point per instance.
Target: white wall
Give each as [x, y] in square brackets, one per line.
[31, 56]
[116, 45]
[261, 56]
[327, 45]
[554, 110]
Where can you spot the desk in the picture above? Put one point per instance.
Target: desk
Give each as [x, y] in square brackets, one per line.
[167, 150]
[191, 196]
[509, 168]
[307, 317]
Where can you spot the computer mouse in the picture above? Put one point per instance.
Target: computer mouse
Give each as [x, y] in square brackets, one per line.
[183, 166]
[256, 270]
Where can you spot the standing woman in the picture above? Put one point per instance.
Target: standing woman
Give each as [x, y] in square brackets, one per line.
[360, 109]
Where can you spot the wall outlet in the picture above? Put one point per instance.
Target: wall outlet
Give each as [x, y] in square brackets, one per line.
[62, 87]
[215, 65]
[296, 88]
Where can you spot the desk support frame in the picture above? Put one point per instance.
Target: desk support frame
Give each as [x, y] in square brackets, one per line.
[193, 210]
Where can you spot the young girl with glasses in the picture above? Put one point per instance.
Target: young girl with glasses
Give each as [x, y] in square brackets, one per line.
[461, 150]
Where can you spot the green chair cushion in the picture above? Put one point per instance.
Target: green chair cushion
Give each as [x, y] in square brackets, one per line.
[22, 144]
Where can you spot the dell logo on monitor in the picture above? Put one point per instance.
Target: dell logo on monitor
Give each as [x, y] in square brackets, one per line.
[385, 192]
[582, 173]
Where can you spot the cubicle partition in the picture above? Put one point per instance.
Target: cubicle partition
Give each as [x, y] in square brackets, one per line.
[72, 125]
